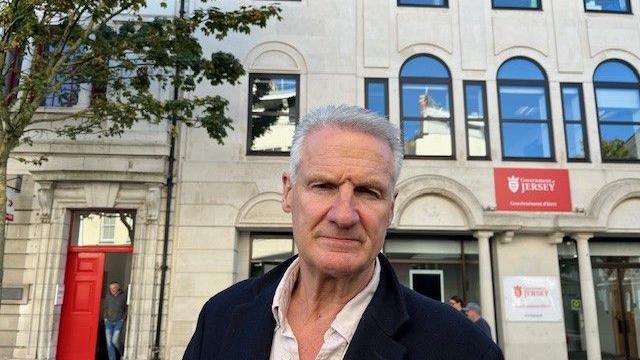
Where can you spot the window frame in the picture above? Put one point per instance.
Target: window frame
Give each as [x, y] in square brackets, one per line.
[278, 235]
[103, 239]
[427, 81]
[582, 122]
[445, 6]
[252, 77]
[628, 12]
[374, 80]
[497, 7]
[614, 85]
[485, 118]
[549, 121]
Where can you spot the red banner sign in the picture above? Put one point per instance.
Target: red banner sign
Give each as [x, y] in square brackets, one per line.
[532, 189]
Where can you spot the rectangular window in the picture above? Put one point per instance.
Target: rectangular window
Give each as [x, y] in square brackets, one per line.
[456, 258]
[475, 108]
[273, 113]
[428, 3]
[574, 122]
[376, 95]
[69, 88]
[612, 6]
[108, 228]
[268, 251]
[427, 119]
[517, 4]
[619, 115]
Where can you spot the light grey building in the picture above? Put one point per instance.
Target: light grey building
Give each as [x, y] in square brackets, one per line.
[520, 191]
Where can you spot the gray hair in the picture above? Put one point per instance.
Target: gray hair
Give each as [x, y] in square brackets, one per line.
[350, 118]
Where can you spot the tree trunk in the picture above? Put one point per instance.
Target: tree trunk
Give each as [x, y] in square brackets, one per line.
[4, 156]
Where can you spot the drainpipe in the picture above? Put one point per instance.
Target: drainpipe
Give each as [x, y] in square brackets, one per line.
[167, 217]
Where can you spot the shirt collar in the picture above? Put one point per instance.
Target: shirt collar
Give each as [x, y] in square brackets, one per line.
[346, 320]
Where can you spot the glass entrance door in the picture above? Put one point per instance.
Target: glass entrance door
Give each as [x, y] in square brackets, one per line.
[617, 301]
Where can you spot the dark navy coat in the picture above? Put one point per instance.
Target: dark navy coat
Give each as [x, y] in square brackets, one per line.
[398, 323]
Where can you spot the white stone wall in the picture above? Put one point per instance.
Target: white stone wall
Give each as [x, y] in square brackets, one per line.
[225, 194]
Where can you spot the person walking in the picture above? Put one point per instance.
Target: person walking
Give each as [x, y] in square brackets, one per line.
[114, 311]
[474, 314]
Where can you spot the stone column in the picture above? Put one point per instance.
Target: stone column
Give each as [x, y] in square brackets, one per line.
[486, 279]
[588, 294]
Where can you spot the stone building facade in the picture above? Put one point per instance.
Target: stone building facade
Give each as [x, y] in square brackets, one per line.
[546, 89]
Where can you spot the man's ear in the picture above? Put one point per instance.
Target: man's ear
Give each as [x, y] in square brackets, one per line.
[286, 192]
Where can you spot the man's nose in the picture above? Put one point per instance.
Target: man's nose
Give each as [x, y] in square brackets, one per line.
[343, 212]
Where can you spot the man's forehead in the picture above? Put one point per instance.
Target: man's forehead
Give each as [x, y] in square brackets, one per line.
[350, 142]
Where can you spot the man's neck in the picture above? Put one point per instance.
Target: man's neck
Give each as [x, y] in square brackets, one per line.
[326, 294]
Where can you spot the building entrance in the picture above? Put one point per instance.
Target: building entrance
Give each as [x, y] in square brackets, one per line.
[99, 255]
[617, 285]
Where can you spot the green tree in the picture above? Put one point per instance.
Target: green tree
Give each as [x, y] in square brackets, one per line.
[614, 150]
[59, 46]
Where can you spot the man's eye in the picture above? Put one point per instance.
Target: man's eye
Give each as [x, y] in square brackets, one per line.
[322, 186]
[369, 192]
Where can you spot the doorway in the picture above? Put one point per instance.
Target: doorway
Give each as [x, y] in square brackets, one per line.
[617, 286]
[100, 252]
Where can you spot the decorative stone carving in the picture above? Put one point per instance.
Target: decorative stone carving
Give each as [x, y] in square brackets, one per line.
[101, 195]
[153, 202]
[555, 238]
[506, 237]
[45, 199]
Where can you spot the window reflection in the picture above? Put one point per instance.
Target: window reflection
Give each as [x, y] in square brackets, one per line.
[524, 4]
[476, 121]
[523, 102]
[377, 93]
[524, 118]
[439, 3]
[618, 104]
[425, 101]
[617, 91]
[607, 5]
[426, 107]
[574, 125]
[620, 142]
[274, 112]
[526, 140]
[427, 137]
[103, 228]
[520, 69]
[268, 251]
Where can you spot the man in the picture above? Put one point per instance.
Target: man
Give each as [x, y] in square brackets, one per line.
[114, 310]
[474, 314]
[339, 299]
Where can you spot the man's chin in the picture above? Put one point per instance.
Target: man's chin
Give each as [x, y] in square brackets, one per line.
[341, 265]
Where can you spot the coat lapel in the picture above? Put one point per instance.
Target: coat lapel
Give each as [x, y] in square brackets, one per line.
[252, 324]
[383, 317]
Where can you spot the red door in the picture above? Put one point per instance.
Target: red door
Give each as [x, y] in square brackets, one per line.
[81, 306]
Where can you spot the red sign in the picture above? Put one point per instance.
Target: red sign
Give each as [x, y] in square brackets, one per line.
[532, 189]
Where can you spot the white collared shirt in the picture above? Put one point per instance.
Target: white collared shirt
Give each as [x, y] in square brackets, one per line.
[284, 345]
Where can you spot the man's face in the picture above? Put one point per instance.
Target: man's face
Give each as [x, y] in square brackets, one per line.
[114, 288]
[342, 200]
[473, 315]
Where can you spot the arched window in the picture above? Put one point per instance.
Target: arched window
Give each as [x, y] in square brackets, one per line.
[525, 121]
[426, 108]
[617, 89]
